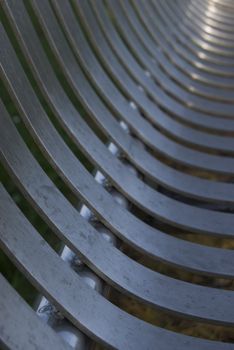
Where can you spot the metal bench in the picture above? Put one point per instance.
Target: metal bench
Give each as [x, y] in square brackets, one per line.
[130, 105]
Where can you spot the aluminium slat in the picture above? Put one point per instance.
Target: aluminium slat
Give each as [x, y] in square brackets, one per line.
[139, 125]
[119, 74]
[207, 19]
[198, 21]
[20, 328]
[87, 309]
[167, 123]
[202, 50]
[199, 28]
[218, 20]
[225, 8]
[152, 112]
[60, 157]
[211, 68]
[200, 24]
[89, 328]
[193, 116]
[161, 118]
[168, 84]
[128, 60]
[184, 65]
[70, 119]
[222, 72]
[223, 4]
[207, 260]
[217, 62]
[198, 32]
[157, 244]
[211, 52]
[155, 289]
[191, 256]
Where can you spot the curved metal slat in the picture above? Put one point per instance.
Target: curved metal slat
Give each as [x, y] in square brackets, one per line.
[154, 289]
[221, 56]
[128, 60]
[20, 328]
[176, 52]
[178, 60]
[138, 124]
[192, 117]
[198, 21]
[198, 33]
[158, 205]
[180, 253]
[215, 19]
[80, 133]
[151, 111]
[217, 64]
[86, 308]
[161, 119]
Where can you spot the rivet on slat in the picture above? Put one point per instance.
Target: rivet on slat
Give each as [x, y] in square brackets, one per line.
[106, 234]
[73, 336]
[77, 264]
[113, 148]
[67, 255]
[99, 177]
[133, 105]
[119, 198]
[85, 212]
[91, 279]
[45, 310]
[141, 88]
[147, 73]
[124, 126]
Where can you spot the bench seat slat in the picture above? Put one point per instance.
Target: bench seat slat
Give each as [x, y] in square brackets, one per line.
[150, 109]
[131, 65]
[86, 308]
[168, 210]
[155, 289]
[20, 328]
[144, 113]
[153, 138]
[213, 45]
[67, 115]
[218, 73]
[132, 117]
[125, 57]
[154, 243]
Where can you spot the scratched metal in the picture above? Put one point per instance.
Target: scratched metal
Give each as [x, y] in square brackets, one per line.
[144, 85]
[67, 115]
[151, 111]
[87, 309]
[144, 130]
[138, 74]
[214, 261]
[20, 328]
[184, 64]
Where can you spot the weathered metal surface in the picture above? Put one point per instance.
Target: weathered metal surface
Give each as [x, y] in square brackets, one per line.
[164, 99]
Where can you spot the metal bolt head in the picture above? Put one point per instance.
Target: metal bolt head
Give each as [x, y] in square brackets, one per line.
[119, 198]
[73, 336]
[106, 234]
[91, 279]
